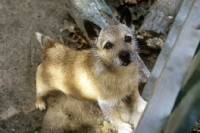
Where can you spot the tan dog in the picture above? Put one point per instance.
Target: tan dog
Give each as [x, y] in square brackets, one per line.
[106, 74]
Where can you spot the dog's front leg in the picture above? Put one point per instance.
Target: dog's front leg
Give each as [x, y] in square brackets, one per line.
[109, 110]
[139, 102]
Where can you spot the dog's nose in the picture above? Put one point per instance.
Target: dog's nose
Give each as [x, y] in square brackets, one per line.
[125, 57]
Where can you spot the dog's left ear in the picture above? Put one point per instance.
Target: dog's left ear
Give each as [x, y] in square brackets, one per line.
[126, 17]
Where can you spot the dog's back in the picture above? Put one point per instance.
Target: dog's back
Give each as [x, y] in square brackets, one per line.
[66, 70]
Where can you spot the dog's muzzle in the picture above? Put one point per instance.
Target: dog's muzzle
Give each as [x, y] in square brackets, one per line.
[125, 57]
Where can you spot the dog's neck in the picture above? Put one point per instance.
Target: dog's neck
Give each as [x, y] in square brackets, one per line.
[106, 75]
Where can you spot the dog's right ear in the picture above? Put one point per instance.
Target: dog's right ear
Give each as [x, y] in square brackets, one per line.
[45, 41]
[92, 29]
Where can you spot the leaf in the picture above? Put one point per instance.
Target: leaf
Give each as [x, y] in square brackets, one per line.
[106, 127]
[100, 121]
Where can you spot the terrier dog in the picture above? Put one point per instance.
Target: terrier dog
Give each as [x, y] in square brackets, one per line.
[107, 73]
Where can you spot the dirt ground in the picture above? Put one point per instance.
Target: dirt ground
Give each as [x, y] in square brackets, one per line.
[20, 55]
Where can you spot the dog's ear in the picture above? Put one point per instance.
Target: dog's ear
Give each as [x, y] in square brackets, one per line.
[126, 17]
[92, 29]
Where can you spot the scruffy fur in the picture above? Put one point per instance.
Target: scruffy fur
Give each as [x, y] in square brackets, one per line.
[98, 74]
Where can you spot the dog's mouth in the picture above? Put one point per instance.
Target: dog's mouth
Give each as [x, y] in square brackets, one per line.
[126, 63]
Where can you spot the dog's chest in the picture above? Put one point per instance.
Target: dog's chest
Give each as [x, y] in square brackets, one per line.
[117, 86]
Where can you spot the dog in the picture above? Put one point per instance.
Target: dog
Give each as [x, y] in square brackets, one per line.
[106, 74]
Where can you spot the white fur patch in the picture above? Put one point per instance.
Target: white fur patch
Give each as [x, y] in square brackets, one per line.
[123, 127]
[141, 104]
[40, 106]
[39, 91]
[38, 36]
[108, 103]
[107, 106]
[117, 61]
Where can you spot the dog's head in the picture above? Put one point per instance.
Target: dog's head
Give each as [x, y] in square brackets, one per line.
[116, 43]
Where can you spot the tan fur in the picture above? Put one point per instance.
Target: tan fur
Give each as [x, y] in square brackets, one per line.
[95, 74]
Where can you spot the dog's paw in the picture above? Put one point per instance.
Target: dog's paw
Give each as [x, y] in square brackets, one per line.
[124, 128]
[40, 105]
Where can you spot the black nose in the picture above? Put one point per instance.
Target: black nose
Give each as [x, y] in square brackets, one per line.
[125, 57]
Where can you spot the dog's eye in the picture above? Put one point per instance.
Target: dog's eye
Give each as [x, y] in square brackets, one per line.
[127, 39]
[108, 45]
